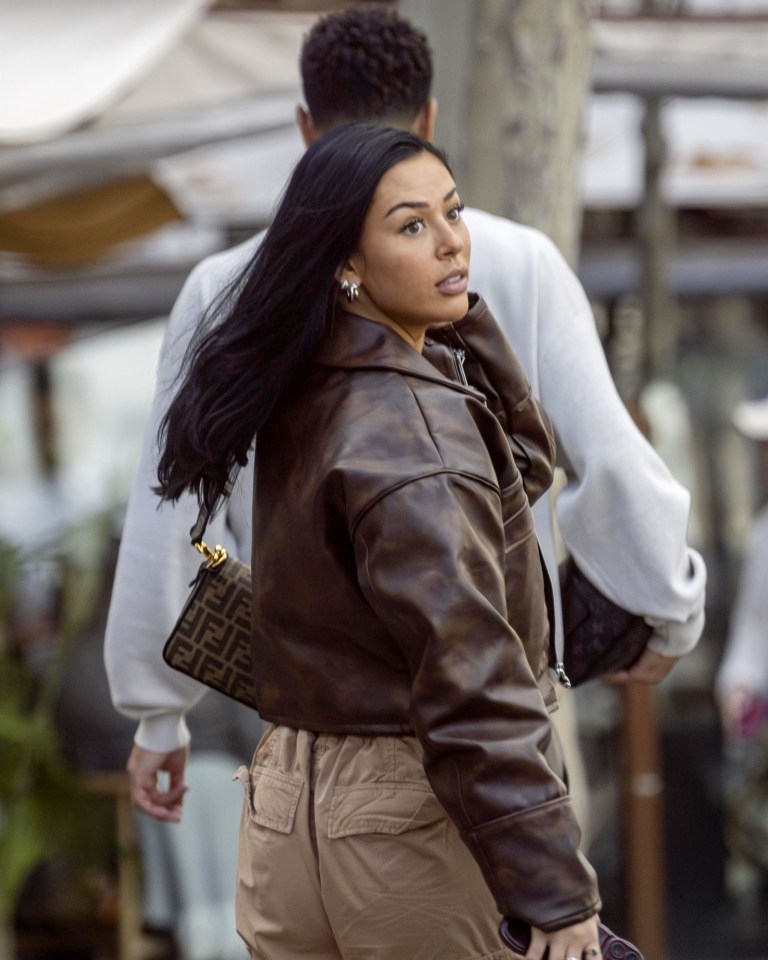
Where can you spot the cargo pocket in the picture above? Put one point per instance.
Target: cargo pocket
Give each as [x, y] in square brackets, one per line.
[384, 807]
[272, 797]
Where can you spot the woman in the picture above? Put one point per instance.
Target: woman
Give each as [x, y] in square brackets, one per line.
[401, 616]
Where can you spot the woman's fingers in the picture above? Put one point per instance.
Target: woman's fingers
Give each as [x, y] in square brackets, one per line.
[577, 942]
[538, 945]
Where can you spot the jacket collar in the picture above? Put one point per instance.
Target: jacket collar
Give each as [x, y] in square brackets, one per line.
[356, 343]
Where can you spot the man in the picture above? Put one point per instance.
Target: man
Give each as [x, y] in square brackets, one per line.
[742, 677]
[622, 515]
[742, 691]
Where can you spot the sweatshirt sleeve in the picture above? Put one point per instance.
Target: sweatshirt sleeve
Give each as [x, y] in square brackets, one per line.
[430, 561]
[622, 514]
[156, 563]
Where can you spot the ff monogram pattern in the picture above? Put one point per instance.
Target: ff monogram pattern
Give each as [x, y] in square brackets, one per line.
[212, 637]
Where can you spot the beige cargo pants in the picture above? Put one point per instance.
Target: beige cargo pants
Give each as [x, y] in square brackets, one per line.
[346, 854]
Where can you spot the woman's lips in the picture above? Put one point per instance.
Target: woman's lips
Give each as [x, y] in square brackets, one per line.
[454, 284]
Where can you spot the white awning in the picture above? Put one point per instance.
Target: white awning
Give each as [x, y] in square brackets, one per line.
[65, 63]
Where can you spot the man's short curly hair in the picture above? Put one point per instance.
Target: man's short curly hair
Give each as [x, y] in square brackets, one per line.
[362, 64]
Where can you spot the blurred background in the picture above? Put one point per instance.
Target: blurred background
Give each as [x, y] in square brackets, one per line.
[138, 137]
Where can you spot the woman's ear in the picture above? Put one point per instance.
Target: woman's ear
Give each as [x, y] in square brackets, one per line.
[348, 271]
[349, 281]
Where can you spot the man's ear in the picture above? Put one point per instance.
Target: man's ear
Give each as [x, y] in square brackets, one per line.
[306, 125]
[424, 124]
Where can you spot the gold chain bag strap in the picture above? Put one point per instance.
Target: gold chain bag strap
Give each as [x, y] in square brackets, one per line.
[211, 641]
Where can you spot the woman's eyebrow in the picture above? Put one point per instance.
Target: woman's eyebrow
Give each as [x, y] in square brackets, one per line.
[418, 204]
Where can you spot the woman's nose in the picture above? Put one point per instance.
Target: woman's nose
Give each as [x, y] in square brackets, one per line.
[450, 240]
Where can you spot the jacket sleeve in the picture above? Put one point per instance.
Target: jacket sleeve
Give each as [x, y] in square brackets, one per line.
[622, 515]
[156, 563]
[430, 561]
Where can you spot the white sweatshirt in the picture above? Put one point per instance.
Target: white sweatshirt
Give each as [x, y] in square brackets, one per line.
[622, 515]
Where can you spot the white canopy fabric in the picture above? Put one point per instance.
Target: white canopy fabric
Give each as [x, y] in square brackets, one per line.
[236, 182]
[228, 77]
[61, 64]
[113, 64]
[225, 57]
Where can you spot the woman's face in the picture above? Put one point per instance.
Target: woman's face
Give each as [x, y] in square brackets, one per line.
[412, 263]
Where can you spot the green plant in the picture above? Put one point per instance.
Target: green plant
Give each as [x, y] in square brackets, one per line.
[44, 810]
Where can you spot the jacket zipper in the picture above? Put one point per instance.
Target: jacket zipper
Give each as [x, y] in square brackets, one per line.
[562, 676]
[459, 356]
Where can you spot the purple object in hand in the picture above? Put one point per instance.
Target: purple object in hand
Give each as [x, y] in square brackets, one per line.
[517, 936]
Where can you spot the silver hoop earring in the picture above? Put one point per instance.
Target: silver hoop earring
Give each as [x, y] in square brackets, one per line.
[351, 290]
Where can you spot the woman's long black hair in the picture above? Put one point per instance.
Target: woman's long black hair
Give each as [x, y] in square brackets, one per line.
[281, 306]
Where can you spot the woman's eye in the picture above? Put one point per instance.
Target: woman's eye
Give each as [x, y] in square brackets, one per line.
[454, 213]
[413, 226]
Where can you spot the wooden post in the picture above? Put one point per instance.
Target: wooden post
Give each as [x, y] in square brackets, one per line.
[642, 788]
[643, 814]
[642, 824]
[655, 229]
[132, 942]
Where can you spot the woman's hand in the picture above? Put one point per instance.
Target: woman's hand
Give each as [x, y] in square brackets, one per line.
[146, 794]
[571, 943]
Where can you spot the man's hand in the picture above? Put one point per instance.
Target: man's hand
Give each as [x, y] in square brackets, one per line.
[743, 711]
[143, 768]
[651, 668]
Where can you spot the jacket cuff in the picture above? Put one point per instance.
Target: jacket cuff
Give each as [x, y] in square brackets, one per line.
[533, 867]
[163, 733]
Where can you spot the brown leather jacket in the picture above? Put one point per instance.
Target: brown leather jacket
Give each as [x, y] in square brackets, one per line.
[398, 587]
